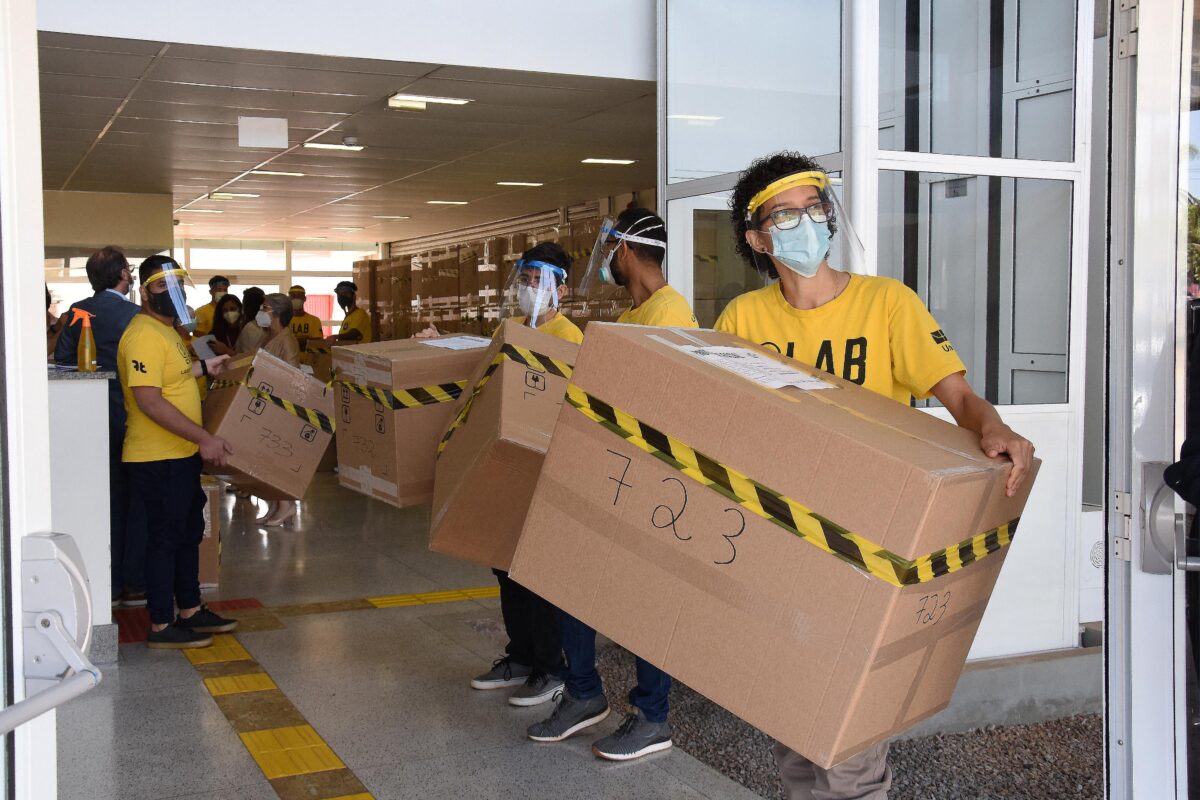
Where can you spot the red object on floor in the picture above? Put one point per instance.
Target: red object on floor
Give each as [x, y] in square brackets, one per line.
[133, 624]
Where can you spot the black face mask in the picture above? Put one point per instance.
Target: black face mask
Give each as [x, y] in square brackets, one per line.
[162, 304]
[346, 301]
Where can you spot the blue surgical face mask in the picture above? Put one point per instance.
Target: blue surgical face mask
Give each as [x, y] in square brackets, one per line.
[803, 248]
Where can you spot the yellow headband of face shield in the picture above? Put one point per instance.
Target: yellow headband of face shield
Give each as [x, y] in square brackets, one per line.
[812, 178]
[159, 276]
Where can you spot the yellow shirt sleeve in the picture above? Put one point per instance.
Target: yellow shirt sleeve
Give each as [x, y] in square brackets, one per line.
[358, 320]
[665, 308]
[727, 322]
[204, 319]
[922, 354]
[563, 328]
[143, 357]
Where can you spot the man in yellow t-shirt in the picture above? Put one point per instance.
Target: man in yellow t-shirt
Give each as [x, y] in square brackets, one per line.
[872, 331]
[164, 443]
[533, 656]
[356, 326]
[218, 287]
[631, 256]
[305, 326]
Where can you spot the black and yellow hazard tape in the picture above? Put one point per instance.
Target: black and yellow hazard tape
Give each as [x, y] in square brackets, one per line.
[416, 397]
[509, 352]
[787, 513]
[317, 419]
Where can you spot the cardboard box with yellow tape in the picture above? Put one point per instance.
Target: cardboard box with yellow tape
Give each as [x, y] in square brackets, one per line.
[490, 456]
[394, 400]
[278, 420]
[812, 556]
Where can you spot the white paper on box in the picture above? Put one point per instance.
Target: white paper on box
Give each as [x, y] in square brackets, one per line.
[756, 367]
[458, 342]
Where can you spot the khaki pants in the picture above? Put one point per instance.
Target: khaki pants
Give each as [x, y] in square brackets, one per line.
[866, 776]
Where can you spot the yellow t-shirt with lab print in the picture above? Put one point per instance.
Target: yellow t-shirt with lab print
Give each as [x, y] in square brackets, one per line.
[306, 326]
[665, 308]
[559, 326]
[876, 333]
[152, 354]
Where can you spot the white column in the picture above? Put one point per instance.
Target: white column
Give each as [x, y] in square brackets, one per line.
[860, 124]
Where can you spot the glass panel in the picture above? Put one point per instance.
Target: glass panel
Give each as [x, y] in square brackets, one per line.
[217, 256]
[727, 105]
[978, 77]
[718, 273]
[991, 257]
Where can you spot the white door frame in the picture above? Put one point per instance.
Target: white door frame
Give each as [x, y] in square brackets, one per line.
[27, 425]
[1145, 631]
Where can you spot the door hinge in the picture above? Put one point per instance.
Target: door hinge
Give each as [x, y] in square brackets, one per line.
[1127, 43]
[1123, 506]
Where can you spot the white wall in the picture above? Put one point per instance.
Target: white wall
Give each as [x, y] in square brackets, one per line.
[614, 39]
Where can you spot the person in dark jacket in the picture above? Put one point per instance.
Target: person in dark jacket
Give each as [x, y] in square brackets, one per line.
[108, 272]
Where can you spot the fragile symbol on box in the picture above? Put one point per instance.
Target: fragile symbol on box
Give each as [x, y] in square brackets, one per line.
[535, 380]
[308, 433]
[379, 423]
[345, 394]
[257, 405]
[345, 413]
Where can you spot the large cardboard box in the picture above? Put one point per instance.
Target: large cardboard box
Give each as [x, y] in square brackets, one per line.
[387, 439]
[278, 420]
[320, 359]
[774, 539]
[210, 545]
[489, 466]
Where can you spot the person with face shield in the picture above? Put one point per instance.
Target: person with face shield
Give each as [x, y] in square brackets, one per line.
[872, 331]
[206, 315]
[305, 326]
[626, 261]
[165, 445]
[356, 325]
[533, 657]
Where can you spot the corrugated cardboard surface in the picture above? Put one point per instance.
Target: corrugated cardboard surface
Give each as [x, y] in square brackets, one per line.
[390, 454]
[815, 652]
[487, 472]
[210, 545]
[275, 453]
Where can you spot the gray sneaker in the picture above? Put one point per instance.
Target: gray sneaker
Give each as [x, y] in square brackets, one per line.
[570, 716]
[636, 737]
[539, 687]
[504, 672]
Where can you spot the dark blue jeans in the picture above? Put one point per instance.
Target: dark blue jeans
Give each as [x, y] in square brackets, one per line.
[532, 627]
[126, 524]
[170, 493]
[583, 681]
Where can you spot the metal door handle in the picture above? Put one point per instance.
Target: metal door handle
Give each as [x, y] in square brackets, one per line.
[1182, 559]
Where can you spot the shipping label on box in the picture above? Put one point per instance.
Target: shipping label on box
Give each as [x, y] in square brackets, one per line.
[491, 454]
[812, 556]
[278, 421]
[394, 400]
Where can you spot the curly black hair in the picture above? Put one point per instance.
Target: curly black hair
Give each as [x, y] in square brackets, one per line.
[761, 173]
[642, 221]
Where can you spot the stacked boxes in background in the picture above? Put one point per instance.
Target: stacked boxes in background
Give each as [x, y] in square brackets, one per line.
[394, 400]
[812, 556]
[494, 448]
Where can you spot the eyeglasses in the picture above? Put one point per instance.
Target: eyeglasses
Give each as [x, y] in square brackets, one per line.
[787, 218]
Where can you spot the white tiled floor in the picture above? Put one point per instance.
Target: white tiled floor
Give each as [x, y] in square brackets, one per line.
[386, 688]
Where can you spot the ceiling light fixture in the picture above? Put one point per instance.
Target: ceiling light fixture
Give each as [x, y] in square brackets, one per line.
[230, 195]
[276, 172]
[348, 143]
[310, 238]
[379, 216]
[202, 210]
[418, 102]
[624, 162]
[345, 230]
[446, 202]
[518, 183]
[695, 117]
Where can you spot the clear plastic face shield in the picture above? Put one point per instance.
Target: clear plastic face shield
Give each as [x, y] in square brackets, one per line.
[166, 295]
[604, 280]
[799, 221]
[532, 291]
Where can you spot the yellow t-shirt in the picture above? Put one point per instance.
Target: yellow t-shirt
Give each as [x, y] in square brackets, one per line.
[306, 326]
[665, 308]
[152, 354]
[204, 319]
[876, 333]
[358, 320]
[559, 326]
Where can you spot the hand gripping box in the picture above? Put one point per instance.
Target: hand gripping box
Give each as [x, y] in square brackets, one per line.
[278, 421]
[393, 402]
[810, 555]
[493, 450]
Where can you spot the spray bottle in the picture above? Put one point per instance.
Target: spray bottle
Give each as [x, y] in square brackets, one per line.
[85, 353]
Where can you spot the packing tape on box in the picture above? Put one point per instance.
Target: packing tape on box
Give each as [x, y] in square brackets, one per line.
[508, 352]
[786, 512]
[415, 397]
[313, 417]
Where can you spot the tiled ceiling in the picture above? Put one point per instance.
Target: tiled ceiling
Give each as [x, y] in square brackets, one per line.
[137, 116]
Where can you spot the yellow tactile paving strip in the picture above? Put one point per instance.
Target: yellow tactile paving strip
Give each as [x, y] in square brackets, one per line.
[428, 598]
[224, 648]
[297, 750]
[236, 684]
